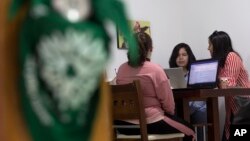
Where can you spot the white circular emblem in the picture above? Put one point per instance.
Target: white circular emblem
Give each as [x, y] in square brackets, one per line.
[73, 10]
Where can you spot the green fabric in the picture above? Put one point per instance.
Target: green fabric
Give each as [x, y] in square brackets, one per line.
[104, 10]
[114, 10]
[61, 64]
[58, 131]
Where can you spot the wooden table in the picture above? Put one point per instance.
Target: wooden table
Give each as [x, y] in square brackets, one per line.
[184, 96]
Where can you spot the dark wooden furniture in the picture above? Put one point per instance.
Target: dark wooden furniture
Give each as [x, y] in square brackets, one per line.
[128, 104]
[184, 96]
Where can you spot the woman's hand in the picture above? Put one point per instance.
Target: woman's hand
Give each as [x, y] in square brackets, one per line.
[223, 84]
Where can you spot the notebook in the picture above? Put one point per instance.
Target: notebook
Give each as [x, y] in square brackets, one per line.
[203, 74]
[176, 77]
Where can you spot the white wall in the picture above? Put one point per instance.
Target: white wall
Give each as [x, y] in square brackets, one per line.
[192, 21]
[202, 17]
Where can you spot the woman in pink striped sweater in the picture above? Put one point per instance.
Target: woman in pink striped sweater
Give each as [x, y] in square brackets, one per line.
[230, 67]
[157, 94]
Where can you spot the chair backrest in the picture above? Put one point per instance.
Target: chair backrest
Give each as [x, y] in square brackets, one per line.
[128, 104]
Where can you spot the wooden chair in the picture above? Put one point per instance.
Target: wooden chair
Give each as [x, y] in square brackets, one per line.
[128, 104]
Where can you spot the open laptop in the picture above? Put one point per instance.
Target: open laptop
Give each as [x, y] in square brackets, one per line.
[176, 77]
[203, 74]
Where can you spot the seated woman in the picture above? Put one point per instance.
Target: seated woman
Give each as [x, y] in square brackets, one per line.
[231, 67]
[182, 56]
[157, 94]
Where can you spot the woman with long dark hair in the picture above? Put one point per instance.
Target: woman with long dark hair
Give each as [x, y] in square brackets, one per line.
[230, 67]
[182, 56]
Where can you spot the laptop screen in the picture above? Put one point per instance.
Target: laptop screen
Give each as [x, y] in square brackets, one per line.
[203, 73]
[176, 77]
